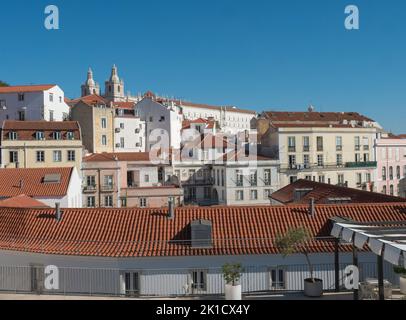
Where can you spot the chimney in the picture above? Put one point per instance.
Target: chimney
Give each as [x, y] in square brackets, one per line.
[21, 185]
[58, 212]
[171, 211]
[312, 210]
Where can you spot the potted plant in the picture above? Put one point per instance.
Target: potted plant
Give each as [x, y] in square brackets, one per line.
[232, 275]
[295, 240]
[402, 278]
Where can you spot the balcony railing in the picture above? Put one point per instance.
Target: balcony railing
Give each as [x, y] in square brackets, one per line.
[306, 148]
[365, 164]
[89, 188]
[107, 188]
[292, 149]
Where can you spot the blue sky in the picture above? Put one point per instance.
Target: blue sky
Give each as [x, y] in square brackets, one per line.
[259, 54]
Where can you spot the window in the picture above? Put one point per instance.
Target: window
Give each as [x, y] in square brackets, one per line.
[357, 157]
[365, 143]
[122, 144]
[121, 125]
[340, 179]
[320, 160]
[57, 135]
[57, 156]
[391, 190]
[13, 156]
[21, 115]
[239, 195]
[151, 119]
[131, 283]
[306, 144]
[143, 202]
[292, 144]
[104, 140]
[254, 195]
[357, 143]
[292, 179]
[267, 194]
[39, 135]
[339, 143]
[146, 178]
[309, 178]
[390, 173]
[51, 115]
[70, 135]
[359, 178]
[162, 118]
[108, 201]
[21, 97]
[292, 162]
[253, 178]
[91, 202]
[239, 178]
[199, 279]
[384, 191]
[339, 159]
[319, 143]
[384, 173]
[40, 156]
[322, 179]
[366, 157]
[267, 177]
[13, 135]
[306, 161]
[60, 99]
[123, 202]
[65, 116]
[398, 172]
[51, 98]
[90, 181]
[108, 181]
[277, 278]
[368, 177]
[71, 155]
[104, 123]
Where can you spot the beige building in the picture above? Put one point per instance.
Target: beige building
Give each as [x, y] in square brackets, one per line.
[41, 144]
[127, 180]
[96, 118]
[327, 147]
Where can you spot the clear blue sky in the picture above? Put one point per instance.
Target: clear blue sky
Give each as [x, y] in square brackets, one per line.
[270, 54]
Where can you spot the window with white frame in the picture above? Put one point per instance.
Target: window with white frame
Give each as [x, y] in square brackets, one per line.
[108, 201]
[71, 155]
[40, 156]
[104, 140]
[277, 278]
[143, 202]
[254, 195]
[13, 156]
[13, 135]
[131, 283]
[239, 195]
[91, 202]
[199, 280]
[104, 123]
[57, 156]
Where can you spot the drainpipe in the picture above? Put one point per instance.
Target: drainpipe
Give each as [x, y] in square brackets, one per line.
[99, 188]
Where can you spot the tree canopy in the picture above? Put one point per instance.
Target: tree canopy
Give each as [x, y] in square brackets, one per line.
[4, 84]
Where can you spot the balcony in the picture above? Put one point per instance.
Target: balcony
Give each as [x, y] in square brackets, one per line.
[107, 188]
[366, 164]
[306, 148]
[366, 148]
[357, 147]
[292, 148]
[89, 189]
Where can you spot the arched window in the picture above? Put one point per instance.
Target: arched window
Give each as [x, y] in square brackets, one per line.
[383, 173]
[391, 190]
[398, 172]
[384, 190]
[390, 173]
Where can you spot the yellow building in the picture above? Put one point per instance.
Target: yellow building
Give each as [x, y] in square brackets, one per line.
[41, 144]
[96, 118]
[327, 147]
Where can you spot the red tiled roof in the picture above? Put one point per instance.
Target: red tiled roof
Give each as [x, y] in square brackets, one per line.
[148, 232]
[125, 105]
[27, 88]
[120, 156]
[338, 117]
[14, 182]
[90, 100]
[22, 201]
[321, 193]
[26, 129]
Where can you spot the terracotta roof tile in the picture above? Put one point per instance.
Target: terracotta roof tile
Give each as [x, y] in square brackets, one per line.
[120, 156]
[22, 201]
[338, 117]
[27, 88]
[321, 193]
[236, 230]
[14, 182]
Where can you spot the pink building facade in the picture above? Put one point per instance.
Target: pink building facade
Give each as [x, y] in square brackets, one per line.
[391, 168]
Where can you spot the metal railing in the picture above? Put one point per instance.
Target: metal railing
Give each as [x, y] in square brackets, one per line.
[175, 281]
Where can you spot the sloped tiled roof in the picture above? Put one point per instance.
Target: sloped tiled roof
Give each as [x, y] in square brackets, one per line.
[337, 117]
[322, 192]
[125, 105]
[149, 233]
[22, 201]
[90, 100]
[14, 182]
[27, 88]
[120, 156]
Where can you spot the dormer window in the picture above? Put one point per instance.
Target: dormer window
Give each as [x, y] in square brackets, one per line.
[13, 135]
[56, 135]
[39, 135]
[70, 135]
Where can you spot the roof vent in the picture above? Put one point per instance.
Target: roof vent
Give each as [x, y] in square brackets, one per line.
[201, 233]
[171, 209]
[52, 178]
[58, 212]
[312, 209]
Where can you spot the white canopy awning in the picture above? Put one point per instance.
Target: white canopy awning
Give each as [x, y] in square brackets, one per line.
[379, 238]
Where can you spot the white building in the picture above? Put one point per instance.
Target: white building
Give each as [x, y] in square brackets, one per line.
[47, 185]
[163, 257]
[33, 102]
[129, 131]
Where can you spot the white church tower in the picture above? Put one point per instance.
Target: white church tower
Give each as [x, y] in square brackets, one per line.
[90, 86]
[114, 89]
